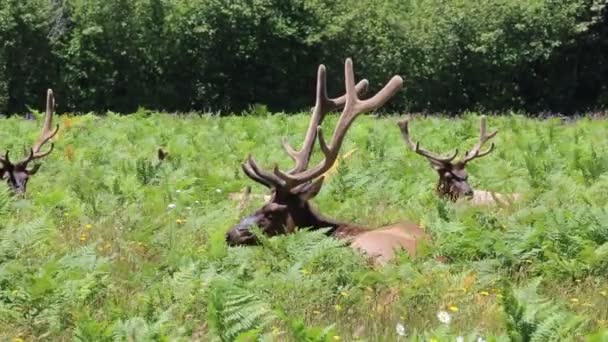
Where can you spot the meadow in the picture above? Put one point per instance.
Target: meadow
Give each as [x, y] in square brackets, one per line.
[111, 245]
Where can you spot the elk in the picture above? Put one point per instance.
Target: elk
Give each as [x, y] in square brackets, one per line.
[289, 205]
[453, 178]
[18, 174]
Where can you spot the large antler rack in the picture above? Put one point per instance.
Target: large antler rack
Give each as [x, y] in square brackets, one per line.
[353, 106]
[433, 157]
[46, 134]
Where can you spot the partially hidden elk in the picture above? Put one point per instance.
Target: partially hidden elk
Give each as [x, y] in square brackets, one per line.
[289, 207]
[17, 174]
[453, 178]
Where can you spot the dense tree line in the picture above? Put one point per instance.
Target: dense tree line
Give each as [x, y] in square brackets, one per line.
[117, 55]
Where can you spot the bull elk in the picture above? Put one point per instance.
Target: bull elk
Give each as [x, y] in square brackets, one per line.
[289, 205]
[453, 178]
[17, 174]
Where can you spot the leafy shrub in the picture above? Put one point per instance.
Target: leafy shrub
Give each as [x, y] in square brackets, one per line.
[229, 55]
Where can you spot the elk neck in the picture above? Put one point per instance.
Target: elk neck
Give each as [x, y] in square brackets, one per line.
[311, 217]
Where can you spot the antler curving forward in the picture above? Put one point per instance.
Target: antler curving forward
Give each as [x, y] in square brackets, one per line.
[483, 138]
[404, 126]
[46, 134]
[353, 106]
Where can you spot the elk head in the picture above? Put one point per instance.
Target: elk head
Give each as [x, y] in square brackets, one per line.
[453, 178]
[17, 174]
[289, 206]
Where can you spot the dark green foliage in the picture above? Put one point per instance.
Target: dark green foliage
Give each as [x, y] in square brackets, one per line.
[229, 54]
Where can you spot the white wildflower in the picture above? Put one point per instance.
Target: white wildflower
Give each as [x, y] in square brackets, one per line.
[400, 328]
[171, 206]
[197, 202]
[178, 191]
[480, 339]
[459, 339]
[218, 190]
[444, 317]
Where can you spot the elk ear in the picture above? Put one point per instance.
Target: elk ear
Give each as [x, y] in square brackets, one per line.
[311, 190]
[34, 169]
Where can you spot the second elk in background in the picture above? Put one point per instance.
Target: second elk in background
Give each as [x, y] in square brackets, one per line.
[453, 178]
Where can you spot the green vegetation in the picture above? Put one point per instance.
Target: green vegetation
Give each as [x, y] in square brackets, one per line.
[183, 55]
[95, 252]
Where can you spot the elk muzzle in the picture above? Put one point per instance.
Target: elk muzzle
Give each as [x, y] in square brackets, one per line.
[241, 233]
[461, 188]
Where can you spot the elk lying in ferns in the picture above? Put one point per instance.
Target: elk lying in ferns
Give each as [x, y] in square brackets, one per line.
[453, 178]
[289, 206]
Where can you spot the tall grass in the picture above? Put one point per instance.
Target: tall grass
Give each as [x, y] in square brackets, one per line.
[95, 252]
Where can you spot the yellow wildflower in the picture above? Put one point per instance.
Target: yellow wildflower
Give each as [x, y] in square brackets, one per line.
[433, 340]
[316, 312]
[337, 307]
[18, 339]
[574, 300]
[83, 237]
[180, 221]
[89, 226]
[604, 293]
[344, 294]
[336, 338]
[453, 308]
[484, 293]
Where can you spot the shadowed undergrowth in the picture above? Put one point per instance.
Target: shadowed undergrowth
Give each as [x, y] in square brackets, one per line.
[108, 245]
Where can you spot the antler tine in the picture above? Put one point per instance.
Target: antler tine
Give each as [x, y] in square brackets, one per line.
[5, 160]
[251, 168]
[483, 138]
[47, 132]
[323, 105]
[352, 108]
[404, 126]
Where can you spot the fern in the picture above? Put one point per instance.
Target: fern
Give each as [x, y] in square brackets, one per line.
[234, 310]
[5, 201]
[532, 318]
[18, 239]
